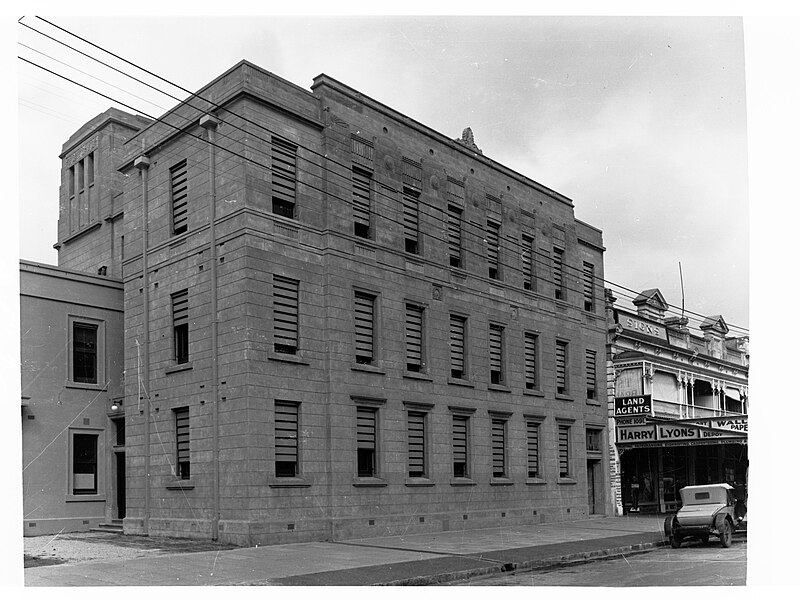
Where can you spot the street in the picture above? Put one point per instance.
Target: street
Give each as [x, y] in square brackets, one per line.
[692, 564]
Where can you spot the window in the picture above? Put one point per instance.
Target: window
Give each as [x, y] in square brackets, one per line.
[411, 220]
[588, 287]
[90, 169]
[527, 263]
[493, 248]
[179, 192]
[496, 354]
[362, 186]
[558, 273]
[286, 461]
[593, 443]
[415, 339]
[84, 463]
[562, 359]
[460, 449]
[84, 352]
[416, 444]
[531, 373]
[365, 441]
[365, 328]
[591, 374]
[454, 236]
[563, 451]
[285, 294]
[533, 448]
[71, 180]
[119, 426]
[180, 325]
[284, 177]
[458, 359]
[499, 448]
[182, 442]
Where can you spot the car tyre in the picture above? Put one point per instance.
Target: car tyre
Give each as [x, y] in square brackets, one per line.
[726, 534]
[675, 541]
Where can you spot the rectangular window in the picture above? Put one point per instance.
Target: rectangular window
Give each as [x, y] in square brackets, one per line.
[286, 460]
[362, 191]
[363, 151]
[84, 353]
[365, 328]
[533, 448]
[284, 177]
[591, 374]
[588, 287]
[527, 263]
[119, 426]
[182, 442]
[460, 450]
[411, 220]
[458, 335]
[562, 359]
[90, 169]
[493, 249]
[415, 338]
[80, 175]
[366, 424]
[179, 193]
[84, 463]
[180, 325]
[285, 298]
[498, 448]
[593, 443]
[531, 373]
[71, 180]
[454, 236]
[416, 444]
[563, 450]
[558, 273]
[496, 354]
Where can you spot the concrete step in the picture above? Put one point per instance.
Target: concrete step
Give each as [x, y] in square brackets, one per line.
[115, 526]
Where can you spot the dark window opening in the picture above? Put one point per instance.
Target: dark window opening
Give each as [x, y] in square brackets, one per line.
[84, 353]
[182, 442]
[286, 439]
[182, 343]
[366, 462]
[84, 464]
[361, 230]
[283, 208]
[412, 247]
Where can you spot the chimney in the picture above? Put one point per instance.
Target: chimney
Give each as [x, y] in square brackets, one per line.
[678, 328]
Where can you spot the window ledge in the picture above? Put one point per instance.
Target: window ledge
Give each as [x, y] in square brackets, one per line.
[85, 498]
[461, 382]
[566, 481]
[535, 481]
[500, 481]
[593, 402]
[368, 482]
[368, 369]
[419, 482]
[77, 385]
[288, 482]
[180, 484]
[90, 227]
[287, 358]
[565, 397]
[462, 481]
[416, 375]
[494, 387]
[528, 392]
[177, 368]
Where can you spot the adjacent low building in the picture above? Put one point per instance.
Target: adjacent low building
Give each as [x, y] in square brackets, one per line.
[677, 403]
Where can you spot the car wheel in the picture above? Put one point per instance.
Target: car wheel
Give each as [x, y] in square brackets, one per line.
[675, 541]
[726, 534]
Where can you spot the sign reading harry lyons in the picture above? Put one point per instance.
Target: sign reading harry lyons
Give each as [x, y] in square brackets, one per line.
[633, 405]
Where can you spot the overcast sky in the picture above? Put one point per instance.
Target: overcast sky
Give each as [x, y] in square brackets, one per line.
[642, 122]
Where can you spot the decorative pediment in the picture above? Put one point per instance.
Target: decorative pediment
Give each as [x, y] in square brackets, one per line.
[716, 324]
[653, 298]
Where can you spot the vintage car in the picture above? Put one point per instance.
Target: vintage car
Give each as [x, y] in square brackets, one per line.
[707, 510]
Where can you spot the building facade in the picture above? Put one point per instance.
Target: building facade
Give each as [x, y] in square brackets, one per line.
[72, 442]
[338, 322]
[677, 404]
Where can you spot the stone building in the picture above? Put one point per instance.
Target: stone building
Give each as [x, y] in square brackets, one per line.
[337, 321]
[678, 404]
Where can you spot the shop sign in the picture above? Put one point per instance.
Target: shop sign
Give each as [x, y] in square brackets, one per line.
[633, 405]
[677, 432]
[631, 323]
[625, 421]
[737, 425]
[627, 435]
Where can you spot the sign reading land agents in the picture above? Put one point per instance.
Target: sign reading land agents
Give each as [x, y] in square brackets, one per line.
[633, 405]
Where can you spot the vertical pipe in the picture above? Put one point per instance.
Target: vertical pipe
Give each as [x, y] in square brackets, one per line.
[210, 122]
[143, 164]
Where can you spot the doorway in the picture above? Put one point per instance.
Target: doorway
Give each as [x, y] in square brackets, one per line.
[592, 483]
[120, 485]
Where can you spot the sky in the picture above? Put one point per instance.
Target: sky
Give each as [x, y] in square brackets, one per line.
[641, 121]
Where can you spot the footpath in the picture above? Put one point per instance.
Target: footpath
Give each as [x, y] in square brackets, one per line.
[419, 559]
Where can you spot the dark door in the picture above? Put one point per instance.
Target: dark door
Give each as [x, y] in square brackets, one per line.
[591, 485]
[120, 485]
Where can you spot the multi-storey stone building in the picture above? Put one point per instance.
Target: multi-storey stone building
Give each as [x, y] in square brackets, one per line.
[677, 404]
[339, 322]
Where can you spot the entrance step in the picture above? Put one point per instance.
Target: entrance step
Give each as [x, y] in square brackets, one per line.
[115, 526]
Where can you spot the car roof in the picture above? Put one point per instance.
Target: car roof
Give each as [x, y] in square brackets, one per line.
[693, 488]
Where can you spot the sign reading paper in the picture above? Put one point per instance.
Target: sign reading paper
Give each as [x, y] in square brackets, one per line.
[633, 405]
